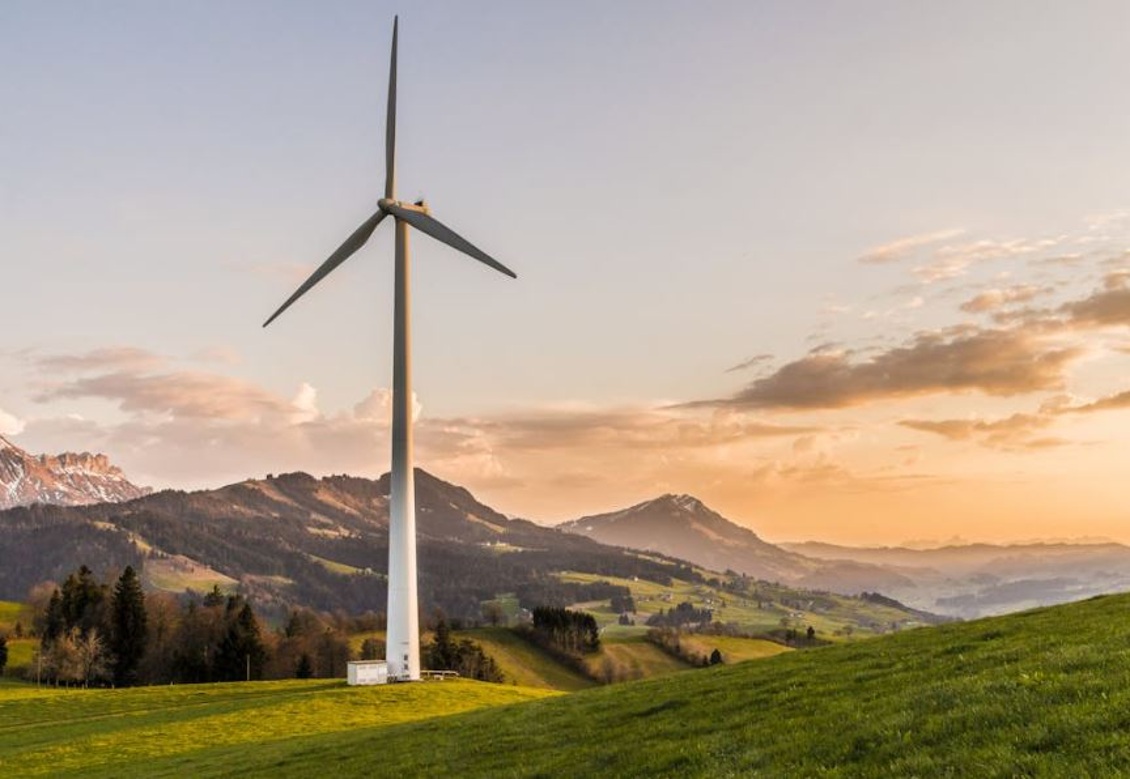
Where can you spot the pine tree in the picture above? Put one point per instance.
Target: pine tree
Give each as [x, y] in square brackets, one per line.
[54, 623]
[242, 647]
[305, 668]
[84, 601]
[128, 633]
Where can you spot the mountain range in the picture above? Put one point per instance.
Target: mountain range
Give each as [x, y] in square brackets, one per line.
[67, 479]
[966, 580]
[294, 538]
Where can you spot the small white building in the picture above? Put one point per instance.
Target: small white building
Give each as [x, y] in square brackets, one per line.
[367, 672]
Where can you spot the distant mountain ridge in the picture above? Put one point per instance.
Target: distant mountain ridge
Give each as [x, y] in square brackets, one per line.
[67, 479]
[322, 542]
[976, 579]
[683, 526]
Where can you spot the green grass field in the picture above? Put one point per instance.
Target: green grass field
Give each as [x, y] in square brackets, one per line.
[1043, 693]
[525, 664]
[733, 648]
[11, 613]
[209, 730]
[629, 656]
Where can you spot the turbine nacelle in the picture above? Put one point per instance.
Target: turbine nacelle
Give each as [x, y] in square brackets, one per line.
[390, 206]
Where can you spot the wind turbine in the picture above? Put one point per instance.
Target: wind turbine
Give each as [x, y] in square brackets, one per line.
[403, 639]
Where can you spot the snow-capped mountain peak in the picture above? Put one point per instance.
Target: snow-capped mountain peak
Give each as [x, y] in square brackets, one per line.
[67, 479]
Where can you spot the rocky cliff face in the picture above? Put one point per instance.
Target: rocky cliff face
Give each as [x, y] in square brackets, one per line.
[67, 479]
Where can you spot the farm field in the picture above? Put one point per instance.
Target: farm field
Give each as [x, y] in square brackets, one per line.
[835, 617]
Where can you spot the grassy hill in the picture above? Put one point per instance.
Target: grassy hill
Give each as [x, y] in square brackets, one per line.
[197, 730]
[1043, 693]
[525, 664]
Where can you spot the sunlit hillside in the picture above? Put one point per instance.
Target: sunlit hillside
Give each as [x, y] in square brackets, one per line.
[1042, 693]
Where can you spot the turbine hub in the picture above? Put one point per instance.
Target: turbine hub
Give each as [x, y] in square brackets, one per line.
[388, 205]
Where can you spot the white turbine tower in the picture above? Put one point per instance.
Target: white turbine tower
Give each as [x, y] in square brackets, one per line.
[403, 639]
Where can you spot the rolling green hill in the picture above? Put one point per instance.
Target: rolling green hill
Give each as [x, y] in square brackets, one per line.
[190, 730]
[1042, 693]
[524, 664]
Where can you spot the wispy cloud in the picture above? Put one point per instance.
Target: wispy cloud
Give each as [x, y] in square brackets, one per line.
[952, 261]
[903, 247]
[1013, 432]
[182, 394]
[994, 299]
[127, 358]
[752, 362]
[1110, 403]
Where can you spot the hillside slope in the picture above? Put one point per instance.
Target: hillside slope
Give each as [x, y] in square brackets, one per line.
[1043, 693]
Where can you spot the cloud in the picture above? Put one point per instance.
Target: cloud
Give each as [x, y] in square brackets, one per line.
[377, 406]
[628, 428]
[901, 248]
[305, 404]
[993, 299]
[182, 395]
[1108, 306]
[757, 359]
[125, 358]
[952, 261]
[198, 429]
[995, 362]
[1012, 432]
[1110, 403]
[10, 424]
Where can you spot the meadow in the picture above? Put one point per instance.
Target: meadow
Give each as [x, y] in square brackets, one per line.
[834, 617]
[1041, 693]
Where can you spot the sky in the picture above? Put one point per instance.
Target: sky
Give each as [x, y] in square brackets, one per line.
[849, 272]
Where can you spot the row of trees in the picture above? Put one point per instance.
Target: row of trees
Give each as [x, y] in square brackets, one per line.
[682, 615]
[92, 633]
[465, 656]
[572, 632]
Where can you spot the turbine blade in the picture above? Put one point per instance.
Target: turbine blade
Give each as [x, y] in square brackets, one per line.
[343, 253]
[436, 229]
[390, 118]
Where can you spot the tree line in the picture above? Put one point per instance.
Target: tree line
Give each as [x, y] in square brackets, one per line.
[93, 633]
[571, 632]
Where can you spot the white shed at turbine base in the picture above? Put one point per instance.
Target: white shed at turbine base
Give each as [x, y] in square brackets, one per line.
[366, 672]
